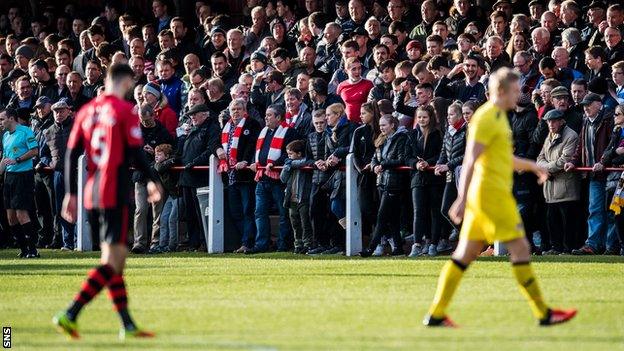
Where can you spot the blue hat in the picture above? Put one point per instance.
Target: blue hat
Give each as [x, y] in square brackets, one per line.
[42, 100]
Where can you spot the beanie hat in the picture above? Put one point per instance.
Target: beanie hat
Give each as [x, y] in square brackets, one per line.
[25, 51]
[153, 88]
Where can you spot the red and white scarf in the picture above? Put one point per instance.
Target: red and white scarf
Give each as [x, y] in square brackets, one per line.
[275, 150]
[232, 147]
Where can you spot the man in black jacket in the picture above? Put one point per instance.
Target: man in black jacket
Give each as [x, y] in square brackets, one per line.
[154, 134]
[238, 139]
[195, 146]
[267, 90]
[56, 137]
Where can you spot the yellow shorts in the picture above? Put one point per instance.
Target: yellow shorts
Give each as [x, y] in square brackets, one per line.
[492, 220]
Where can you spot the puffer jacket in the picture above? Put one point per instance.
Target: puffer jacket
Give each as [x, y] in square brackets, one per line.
[56, 137]
[392, 154]
[453, 150]
[339, 147]
[315, 150]
[363, 149]
[557, 151]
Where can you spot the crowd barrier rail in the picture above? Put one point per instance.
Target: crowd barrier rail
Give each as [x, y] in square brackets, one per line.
[215, 211]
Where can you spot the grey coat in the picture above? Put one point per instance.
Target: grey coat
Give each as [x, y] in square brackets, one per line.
[556, 152]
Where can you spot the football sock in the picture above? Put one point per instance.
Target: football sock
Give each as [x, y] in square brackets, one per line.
[18, 235]
[119, 297]
[97, 279]
[30, 235]
[530, 289]
[447, 284]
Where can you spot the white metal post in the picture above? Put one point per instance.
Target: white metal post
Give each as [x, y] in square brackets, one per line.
[499, 249]
[214, 237]
[354, 216]
[83, 231]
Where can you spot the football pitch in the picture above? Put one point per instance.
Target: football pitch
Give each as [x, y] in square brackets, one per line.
[288, 302]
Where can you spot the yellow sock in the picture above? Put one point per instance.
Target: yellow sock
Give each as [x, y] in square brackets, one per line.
[530, 289]
[447, 284]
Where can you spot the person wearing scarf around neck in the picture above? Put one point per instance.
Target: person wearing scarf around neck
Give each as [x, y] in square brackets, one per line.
[449, 165]
[390, 153]
[238, 139]
[271, 152]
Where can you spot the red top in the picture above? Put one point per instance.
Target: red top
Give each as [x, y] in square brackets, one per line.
[354, 95]
[168, 118]
[106, 127]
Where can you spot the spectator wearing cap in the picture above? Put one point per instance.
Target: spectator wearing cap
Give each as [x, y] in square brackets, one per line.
[354, 90]
[170, 84]
[360, 36]
[19, 147]
[195, 146]
[164, 113]
[267, 90]
[596, 14]
[562, 189]
[593, 141]
[259, 30]
[7, 86]
[271, 152]
[561, 101]
[221, 69]
[615, 46]
[23, 55]
[44, 84]
[238, 138]
[214, 42]
[44, 189]
[56, 137]
[258, 63]
[601, 87]
[319, 96]
[154, 134]
[469, 88]
[414, 51]
[75, 91]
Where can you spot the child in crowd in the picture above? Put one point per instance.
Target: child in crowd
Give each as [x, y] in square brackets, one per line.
[164, 158]
[297, 198]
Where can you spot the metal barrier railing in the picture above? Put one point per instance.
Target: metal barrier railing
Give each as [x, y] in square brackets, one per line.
[215, 233]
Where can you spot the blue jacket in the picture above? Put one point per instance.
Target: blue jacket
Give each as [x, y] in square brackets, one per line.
[172, 89]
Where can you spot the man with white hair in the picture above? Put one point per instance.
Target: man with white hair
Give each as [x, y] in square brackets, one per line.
[562, 60]
[541, 47]
[571, 40]
[615, 47]
[259, 30]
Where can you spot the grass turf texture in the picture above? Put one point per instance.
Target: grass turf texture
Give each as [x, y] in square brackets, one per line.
[285, 302]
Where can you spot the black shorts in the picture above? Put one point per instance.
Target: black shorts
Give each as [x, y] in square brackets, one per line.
[110, 224]
[19, 190]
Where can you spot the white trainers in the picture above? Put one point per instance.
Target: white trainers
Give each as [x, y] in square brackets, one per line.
[379, 250]
[416, 251]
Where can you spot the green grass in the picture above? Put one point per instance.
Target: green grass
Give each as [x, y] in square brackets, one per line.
[287, 302]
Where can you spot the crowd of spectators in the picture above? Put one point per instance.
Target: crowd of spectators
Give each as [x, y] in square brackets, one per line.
[284, 96]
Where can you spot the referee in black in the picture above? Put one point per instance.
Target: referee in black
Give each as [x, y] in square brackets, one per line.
[19, 147]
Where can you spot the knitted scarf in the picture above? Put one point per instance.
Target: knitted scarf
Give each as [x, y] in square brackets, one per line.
[275, 150]
[231, 147]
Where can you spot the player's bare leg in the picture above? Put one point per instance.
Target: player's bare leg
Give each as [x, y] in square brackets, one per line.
[519, 255]
[452, 272]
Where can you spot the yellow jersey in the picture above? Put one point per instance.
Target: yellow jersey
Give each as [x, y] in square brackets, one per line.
[491, 211]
